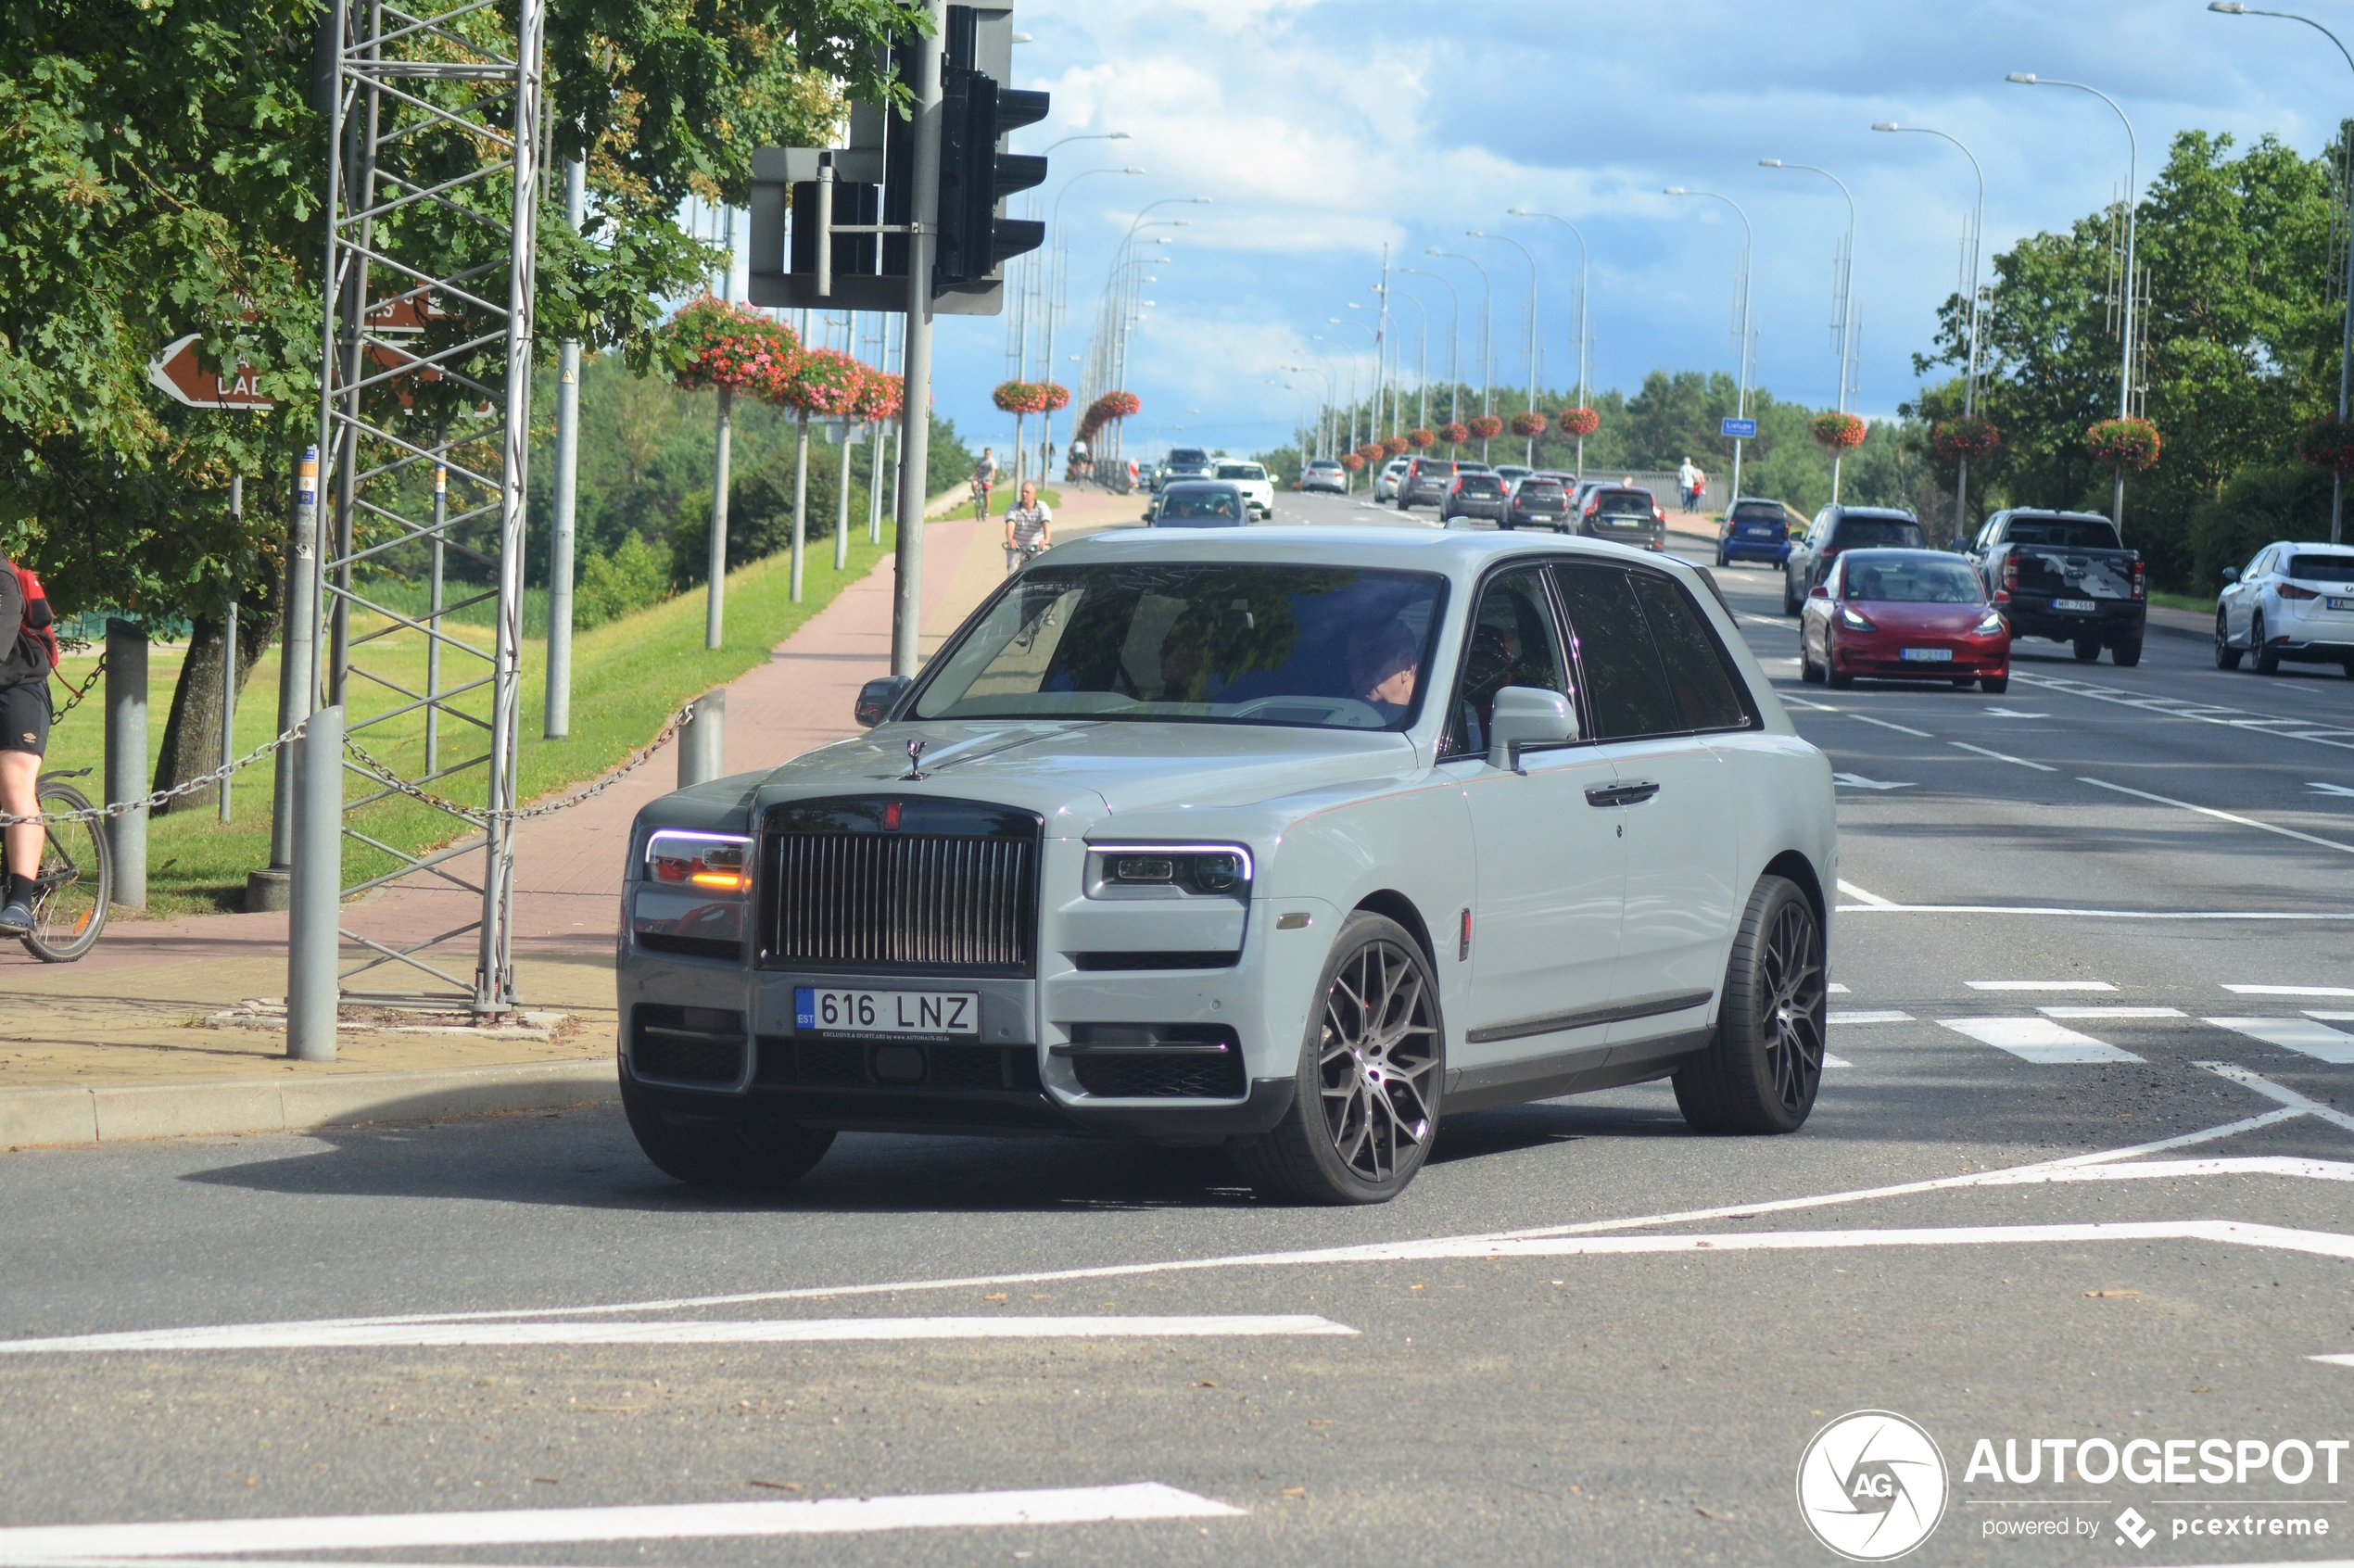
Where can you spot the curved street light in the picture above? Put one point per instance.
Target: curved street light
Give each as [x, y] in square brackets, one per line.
[1454, 334]
[1530, 348]
[2133, 189]
[1421, 349]
[1584, 359]
[1059, 277]
[1969, 372]
[1486, 357]
[1847, 297]
[1742, 355]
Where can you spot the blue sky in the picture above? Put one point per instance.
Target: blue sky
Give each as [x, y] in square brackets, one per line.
[1321, 132]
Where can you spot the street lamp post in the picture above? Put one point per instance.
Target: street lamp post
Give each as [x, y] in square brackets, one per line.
[1421, 355]
[1742, 357]
[1454, 334]
[2346, 342]
[1531, 323]
[1969, 372]
[1054, 286]
[1584, 339]
[1847, 296]
[1487, 353]
[2125, 320]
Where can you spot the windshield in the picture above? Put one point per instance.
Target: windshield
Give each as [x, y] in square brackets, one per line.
[2065, 533]
[1192, 455]
[2323, 568]
[1910, 580]
[1319, 647]
[1198, 504]
[1854, 531]
[1240, 470]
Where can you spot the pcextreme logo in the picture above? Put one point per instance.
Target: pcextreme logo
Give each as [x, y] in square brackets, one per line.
[1871, 1485]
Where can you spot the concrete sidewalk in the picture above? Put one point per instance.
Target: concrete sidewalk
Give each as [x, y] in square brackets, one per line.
[157, 1033]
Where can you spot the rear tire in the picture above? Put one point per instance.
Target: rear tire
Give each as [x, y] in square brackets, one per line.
[1764, 1065]
[723, 1154]
[2226, 656]
[2267, 661]
[1995, 686]
[1790, 600]
[2088, 650]
[76, 882]
[2125, 655]
[1371, 1071]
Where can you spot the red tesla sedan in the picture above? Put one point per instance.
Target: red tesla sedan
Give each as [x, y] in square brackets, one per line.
[1903, 614]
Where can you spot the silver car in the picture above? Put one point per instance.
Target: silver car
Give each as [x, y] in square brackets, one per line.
[1291, 840]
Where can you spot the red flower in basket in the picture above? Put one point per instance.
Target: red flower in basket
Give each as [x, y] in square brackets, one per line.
[2124, 443]
[1530, 424]
[1486, 426]
[1839, 432]
[1454, 435]
[1971, 436]
[1420, 438]
[1580, 421]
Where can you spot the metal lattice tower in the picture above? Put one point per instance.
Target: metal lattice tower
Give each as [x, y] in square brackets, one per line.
[433, 203]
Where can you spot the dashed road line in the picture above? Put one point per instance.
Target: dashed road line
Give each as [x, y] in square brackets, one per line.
[2039, 985]
[2221, 816]
[2201, 712]
[2003, 756]
[2095, 1012]
[2290, 990]
[2305, 1036]
[2039, 1040]
[1900, 729]
[1871, 900]
[1883, 1016]
[1884, 907]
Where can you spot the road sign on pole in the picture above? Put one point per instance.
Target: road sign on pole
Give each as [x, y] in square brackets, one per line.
[1739, 429]
[180, 372]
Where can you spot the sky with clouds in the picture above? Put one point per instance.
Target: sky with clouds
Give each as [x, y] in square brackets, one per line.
[1323, 132]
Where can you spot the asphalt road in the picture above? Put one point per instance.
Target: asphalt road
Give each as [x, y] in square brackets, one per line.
[1584, 1335]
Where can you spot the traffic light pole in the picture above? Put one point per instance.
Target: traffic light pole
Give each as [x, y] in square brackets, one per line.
[915, 428]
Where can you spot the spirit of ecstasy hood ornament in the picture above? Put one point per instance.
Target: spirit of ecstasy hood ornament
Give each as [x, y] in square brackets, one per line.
[914, 774]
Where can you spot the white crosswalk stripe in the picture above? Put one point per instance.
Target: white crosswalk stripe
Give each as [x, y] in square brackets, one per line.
[2038, 1039]
[2305, 1036]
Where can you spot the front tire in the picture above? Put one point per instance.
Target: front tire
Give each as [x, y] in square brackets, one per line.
[76, 882]
[723, 1154]
[1764, 1065]
[1808, 670]
[1371, 1071]
[1995, 686]
[2226, 656]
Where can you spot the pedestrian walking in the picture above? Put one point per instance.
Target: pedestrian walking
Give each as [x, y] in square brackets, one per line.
[1687, 484]
[1029, 527]
[25, 713]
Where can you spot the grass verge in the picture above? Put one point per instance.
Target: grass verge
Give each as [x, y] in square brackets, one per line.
[630, 675]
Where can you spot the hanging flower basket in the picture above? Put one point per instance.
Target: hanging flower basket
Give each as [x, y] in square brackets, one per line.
[1838, 432]
[1454, 435]
[1395, 445]
[2328, 443]
[1057, 395]
[1580, 422]
[711, 343]
[1372, 452]
[825, 385]
[1420, 438]
[1018, 397]
[1971, 438]
[881, 397]
[1103, 409]
[1530, 424]
[2124, 443]
[1352, 461]
[1484, 426]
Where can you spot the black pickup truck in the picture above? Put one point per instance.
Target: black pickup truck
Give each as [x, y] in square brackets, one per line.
[2067, 576]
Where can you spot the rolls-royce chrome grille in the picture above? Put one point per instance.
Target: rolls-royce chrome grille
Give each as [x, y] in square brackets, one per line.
[893, 893]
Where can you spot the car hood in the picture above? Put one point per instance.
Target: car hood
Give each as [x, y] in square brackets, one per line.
[1077, 773]
[1953, 619]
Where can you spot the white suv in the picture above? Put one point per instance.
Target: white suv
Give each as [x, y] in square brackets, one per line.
[2294, 602]
[1251, 479]
[1386, 482]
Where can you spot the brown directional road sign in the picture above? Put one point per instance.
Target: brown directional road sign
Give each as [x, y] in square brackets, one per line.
[181, 372]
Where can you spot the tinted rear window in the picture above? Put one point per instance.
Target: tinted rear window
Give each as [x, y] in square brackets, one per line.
[1758, 512]
[1624, 503]
[2067, 533]
[1626, 686]
[1854, 531]
[1482, 484]
[1697, 670]
[2323, 568]
[1540, 491]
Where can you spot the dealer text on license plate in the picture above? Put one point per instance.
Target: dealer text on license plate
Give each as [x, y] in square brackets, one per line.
[1927, 655]
[2071, 604]
[818, 1010]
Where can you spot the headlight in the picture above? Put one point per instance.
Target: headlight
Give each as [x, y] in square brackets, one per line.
[1988, 627]
[1853, 621]
[717, 863]
[1167, 870]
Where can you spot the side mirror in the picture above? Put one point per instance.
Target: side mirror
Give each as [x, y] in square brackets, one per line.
[1958, 545]
[1527, 716]
[2231, 574]
[875, 699]
[1820, 590]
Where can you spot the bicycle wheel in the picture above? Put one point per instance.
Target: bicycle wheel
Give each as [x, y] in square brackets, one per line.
[76, 882]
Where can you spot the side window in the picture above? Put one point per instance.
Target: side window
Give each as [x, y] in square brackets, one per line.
[1697, 672]
[1626, 686]
[1513, 642]
[1985, 536]
[2257, 565]
[1835, 580]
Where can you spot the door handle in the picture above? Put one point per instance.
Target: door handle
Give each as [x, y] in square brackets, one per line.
[1621, 795]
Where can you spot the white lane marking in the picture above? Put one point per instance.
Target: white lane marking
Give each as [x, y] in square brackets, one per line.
[535, 1526]
[2094, 1012]
[1857, 781]
[2038, 1039]
[1886, 1016]
[1789, 701]
[1882, 907]
[2290, 990]
[2191, 1169]
[2330, 789]
[2304, 1036]
[2318, 1244]
[1901, 729]
[773, 1331]
[2289, 1098]
[1831, 1061]
[2010, 713]
[1852, 890]
[2202, 712]
[2328, 1017]
[2039, 985]
[1835, 987]
[2221, 816]
[2002, 756]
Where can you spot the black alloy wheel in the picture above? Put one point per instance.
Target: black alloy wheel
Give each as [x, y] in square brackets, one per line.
[1764, 1065]
[1371, 1071]
[2226, 656]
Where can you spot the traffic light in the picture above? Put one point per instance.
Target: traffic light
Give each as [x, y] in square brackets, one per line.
[976, 173]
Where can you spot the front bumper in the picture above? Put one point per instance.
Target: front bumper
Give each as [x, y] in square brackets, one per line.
[1881, 657]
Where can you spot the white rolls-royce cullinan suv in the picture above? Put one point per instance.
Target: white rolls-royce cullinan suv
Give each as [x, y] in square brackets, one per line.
[1294, 839]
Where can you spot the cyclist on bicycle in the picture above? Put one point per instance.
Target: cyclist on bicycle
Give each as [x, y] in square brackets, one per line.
[1027, 527]
[984, 480]
[24, 735]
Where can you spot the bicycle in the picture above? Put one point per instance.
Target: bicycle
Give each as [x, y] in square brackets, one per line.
[76, 884]
[980, 500]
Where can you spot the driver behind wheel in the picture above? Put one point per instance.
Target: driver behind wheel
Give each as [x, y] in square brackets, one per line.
[1383, 665]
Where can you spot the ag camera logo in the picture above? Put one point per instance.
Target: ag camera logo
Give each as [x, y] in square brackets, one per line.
[1871, 1485]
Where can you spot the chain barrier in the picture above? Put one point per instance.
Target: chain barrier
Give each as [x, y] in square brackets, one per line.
[103, 812]
[481, 817]
[87, 685]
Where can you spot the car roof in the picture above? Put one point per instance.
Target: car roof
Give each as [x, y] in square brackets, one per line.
[1184, 484]
[2317, 545]
[1902, 552]
[1893, 513]
[1459, 553]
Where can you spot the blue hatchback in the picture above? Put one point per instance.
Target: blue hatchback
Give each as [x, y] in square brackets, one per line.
[1754, 530]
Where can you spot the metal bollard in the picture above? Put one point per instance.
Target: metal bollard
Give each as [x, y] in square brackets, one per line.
[267, 888]
[702, 740]
[314, 934]
[127, 777]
